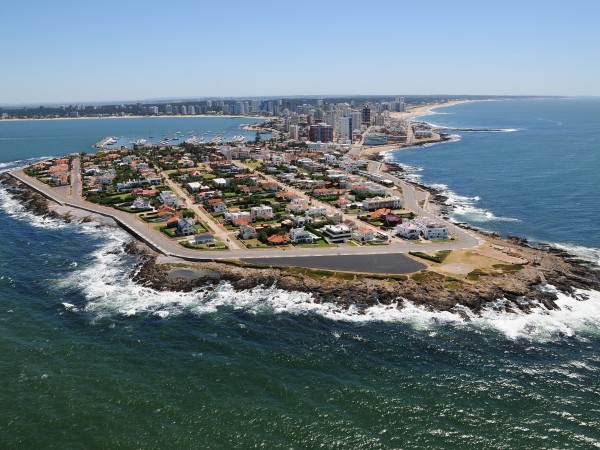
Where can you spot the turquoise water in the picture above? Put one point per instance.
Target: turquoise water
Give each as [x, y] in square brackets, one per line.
[90, 359]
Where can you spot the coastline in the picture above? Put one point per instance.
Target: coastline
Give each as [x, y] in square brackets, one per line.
[439, 287]
[222, 116]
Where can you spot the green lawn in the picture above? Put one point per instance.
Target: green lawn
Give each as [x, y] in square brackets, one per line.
[254, 243]
[319, 243]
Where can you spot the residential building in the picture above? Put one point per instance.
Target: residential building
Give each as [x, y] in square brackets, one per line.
[408, 230]
[363, 234]
[302, 236]
[168, 198]
[371, 204]
[247, 232]
[432, 228]
[141, 203]
[186, 227]
[261, 212]
[320, 132]
[337, 233]
[204, 238]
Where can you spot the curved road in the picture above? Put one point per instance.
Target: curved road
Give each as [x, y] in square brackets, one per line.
[171, 248]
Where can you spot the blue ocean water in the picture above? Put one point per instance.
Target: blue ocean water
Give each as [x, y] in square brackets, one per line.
[90, 359]
[539, 178]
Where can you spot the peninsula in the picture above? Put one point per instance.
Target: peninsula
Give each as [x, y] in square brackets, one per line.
[311, 209]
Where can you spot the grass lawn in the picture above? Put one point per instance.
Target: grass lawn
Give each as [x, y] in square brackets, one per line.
[217, 245]
[200, 228]
[319, 243]
[254, 243]
[168, 231]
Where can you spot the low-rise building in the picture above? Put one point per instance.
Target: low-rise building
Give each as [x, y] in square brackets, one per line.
[363, 234]
[168, 198]
[302, 236]
[337, 233]
[186, 226]
[371, 204]
[261, 212]
[204, 238]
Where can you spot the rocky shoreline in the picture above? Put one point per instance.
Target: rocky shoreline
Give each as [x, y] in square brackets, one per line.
[521, 287]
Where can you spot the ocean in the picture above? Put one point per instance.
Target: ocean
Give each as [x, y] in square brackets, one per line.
[90, 359]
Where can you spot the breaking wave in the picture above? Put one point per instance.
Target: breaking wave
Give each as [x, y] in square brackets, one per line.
[15, 209]
[11, 165]
[590, 254]
[109, 292]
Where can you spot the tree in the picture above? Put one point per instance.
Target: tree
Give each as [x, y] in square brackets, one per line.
[257, 137]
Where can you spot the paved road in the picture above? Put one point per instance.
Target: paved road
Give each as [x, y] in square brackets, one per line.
[171, 248]
[391, 263]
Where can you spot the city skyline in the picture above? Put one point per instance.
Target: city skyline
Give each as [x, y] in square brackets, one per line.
[96, 53]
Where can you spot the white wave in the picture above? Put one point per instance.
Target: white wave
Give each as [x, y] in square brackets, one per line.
[587, 253]
[109, 292]
[575, 317]
[19, 163]
[16, 210]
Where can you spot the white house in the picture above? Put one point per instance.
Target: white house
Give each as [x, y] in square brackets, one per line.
[315, 211]
[168, 198]
[408, 230]
[297, 205]
[140, 203]
[248, 232]
[363, 234]
[220, 183]
[219, 207]
[371, 204]
[432, 229]
[261, 212]
[337, 233]
[302, 236]
[236, 214]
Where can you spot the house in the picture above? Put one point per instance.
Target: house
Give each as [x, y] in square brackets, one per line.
[300, 221]
[297, 205]
[219, 206]
[186, 226]
[302, 236]
[236, 214]
[408, 230]
[315, 211]
[204, 238]
[220, 183]
[168, 198]
[432, 228]
[391, 220]
[141, 203]
[261, 212]
[277, 239]
[363, 234]
[247, 232]
[337, 233]
[371, 204]
[165, 213]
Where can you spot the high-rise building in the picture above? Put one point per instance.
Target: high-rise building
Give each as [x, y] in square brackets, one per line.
[345, 127]
[366, 115]
[183, 110]
[320, 133]
[168, 109]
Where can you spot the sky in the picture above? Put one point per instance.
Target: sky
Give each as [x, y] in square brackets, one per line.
[103, 50]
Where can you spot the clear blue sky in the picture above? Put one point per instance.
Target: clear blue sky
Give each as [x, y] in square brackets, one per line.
[101, 50]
